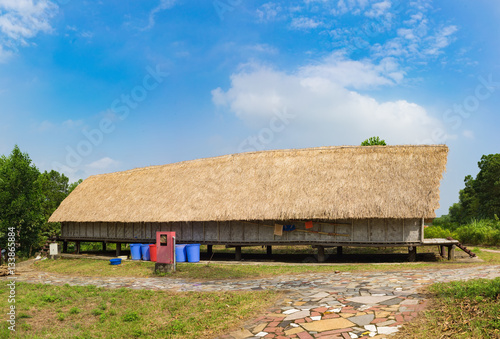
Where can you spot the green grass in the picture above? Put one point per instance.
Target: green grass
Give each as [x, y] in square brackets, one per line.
[460, 310]
[91, 312]
[232, 270]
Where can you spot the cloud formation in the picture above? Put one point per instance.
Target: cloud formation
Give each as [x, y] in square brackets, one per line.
[21, 20]
[322, 101]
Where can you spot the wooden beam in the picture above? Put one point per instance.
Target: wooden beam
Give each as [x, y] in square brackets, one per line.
[118, 249]
[269, 250]
[321, 254]
[237, 253]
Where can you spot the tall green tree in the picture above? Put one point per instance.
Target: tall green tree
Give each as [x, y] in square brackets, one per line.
[20, 200]
[480, 198]
[373, 141]
[55, 188]
[487, 186]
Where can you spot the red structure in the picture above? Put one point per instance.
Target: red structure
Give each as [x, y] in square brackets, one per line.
[165, 247]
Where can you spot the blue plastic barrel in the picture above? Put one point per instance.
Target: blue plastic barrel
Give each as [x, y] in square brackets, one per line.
[135, 251]
[180, 253]
[145, 252]
[193, 252]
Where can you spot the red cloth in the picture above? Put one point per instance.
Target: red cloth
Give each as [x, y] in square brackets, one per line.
[309, 224]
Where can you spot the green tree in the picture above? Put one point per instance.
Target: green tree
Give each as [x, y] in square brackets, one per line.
[487, 186]
[73, 185]
[55, 188]
[373, 141]
[480, 197]
[20, 200]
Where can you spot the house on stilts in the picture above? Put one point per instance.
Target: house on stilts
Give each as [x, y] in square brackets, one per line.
[377, 196]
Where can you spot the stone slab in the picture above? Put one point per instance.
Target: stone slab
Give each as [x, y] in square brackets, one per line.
[327, 325]
[241, 334]
[362, 320]
[370, 299]
[297, 315]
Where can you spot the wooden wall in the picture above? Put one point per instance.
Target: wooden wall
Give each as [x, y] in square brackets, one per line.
[362, 231]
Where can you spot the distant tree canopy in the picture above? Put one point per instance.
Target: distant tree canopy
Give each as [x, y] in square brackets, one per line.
[27, 199]
[373, 141]
[480, 198]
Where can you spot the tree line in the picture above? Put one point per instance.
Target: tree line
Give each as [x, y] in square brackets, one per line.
[28, 198]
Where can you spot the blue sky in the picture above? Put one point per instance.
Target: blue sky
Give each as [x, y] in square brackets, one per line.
[89, 87]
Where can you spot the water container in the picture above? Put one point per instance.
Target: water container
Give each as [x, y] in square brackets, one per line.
[193, 252]
[135, 251]
[152, 252]
[145, 252]
[180, 253]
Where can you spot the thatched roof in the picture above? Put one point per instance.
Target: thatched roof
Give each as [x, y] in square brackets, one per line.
[314, 183]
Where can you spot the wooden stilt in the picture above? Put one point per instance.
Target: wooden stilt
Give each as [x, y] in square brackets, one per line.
[321, 254]
[237, 253]
[412, 253]
[451, 252]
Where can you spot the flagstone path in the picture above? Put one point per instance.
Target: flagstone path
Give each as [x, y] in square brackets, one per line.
[320, 305]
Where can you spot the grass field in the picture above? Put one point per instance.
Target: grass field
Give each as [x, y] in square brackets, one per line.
[230, 270]
[459, 310]
[45, 311]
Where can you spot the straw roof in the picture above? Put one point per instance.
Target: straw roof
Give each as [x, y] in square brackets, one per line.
[315, 183]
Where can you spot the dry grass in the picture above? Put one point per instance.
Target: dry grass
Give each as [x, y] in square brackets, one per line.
[326, 183]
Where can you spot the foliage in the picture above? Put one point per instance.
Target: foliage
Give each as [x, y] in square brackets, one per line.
[373, 141]
[480, 198]
[21, 199]
[477, 232]
[55, 189]
[27, 200]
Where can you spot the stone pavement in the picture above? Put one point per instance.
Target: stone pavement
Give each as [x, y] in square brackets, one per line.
[320, 305]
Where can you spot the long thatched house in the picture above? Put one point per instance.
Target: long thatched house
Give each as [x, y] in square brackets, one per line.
[326, 196]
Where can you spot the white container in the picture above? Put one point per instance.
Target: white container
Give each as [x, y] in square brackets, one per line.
[54, 249]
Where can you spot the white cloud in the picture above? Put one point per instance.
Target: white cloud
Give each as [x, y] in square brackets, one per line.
[355, 74]
[269, 11]
[305, 23]
[325, 111]
[378, 9]
[21, 20]
[164, 4]
[441, 40]
[468, 134]
[70, 124]
[103, 165]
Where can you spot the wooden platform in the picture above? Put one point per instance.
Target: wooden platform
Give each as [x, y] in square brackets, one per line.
[442, 243]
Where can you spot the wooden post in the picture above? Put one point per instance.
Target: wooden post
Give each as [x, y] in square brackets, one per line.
[451, 252]
[77, 247]
[104, 246]
[65, 247]
[118, 249]
[412, 253]
[269, 250]
[321, 254]
[441, 251]
[237, 253]
[209, 251]
[164, 268]
[339, 251]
